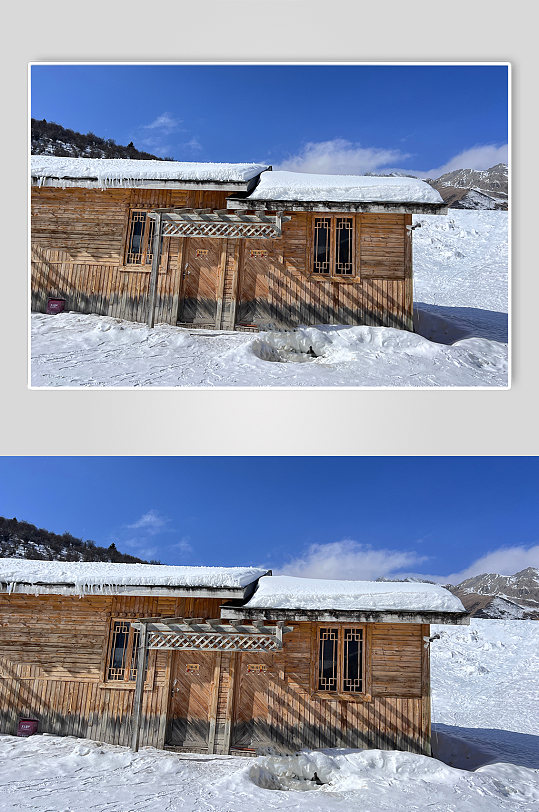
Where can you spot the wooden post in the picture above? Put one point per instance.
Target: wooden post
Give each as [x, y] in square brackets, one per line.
[221, 285]
[139, 689]
[230, 704]
[408, 275]
[214, 703]
[156, 249]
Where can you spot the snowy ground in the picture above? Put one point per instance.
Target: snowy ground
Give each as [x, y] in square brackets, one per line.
[485, 691]
[485, 681]
[460, 269]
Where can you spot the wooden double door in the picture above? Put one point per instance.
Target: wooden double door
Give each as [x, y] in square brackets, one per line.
[191, 692]
[249, 707]
[202, 266]
[255, 712]
[254, 307]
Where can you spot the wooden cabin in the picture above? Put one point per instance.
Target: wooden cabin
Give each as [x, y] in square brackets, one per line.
[214, 659]
[225, 246]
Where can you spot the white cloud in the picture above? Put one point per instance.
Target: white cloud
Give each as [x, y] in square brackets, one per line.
[350, 560]
[341, 157]
[183, 545]
[165, 123]
[193, 144]
[151, 522]
[503, 561]
[482, 156]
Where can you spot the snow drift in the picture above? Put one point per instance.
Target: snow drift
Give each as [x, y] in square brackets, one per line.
[289, 592]
[281, 185]
[23, 575]
[119, 171]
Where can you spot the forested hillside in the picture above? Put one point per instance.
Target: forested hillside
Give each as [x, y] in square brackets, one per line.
[24, 540]
[48, 138]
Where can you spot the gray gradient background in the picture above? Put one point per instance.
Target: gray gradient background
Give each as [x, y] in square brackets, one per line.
[261, 421]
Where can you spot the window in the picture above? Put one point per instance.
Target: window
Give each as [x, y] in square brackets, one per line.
[139, 239]
[122, 653]
[341, 660]
[333, 247]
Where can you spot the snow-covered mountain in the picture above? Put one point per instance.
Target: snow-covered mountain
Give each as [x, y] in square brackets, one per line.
[521, 588]
[474, 188]
[510, 597]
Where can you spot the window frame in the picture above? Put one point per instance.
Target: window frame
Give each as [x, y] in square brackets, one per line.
[126, 683]
[145, 266]
[364, 694]
[333, 276]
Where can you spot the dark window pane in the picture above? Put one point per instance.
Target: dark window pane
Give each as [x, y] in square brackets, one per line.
[120, 638]
[343, 238]
[322, 230]
[353, 660]
[327, 663]
[136, 236]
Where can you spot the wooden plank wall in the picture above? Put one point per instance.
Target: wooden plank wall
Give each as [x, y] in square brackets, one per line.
[383, 295]
[395, 713]
[78, 239]
[52, 659]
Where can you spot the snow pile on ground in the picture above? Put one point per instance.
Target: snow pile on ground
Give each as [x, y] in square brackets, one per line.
[460, 340]
[72, 349]
[281, 185]
[288, 592]
[52, 774]
[113, 171]
[485, 685]
[94, 576]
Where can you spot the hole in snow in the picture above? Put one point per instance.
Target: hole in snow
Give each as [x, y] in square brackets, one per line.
[287, 356]
[288, 773]
[284, 348]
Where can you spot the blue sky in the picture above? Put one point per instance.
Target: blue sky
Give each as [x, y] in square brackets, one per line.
[423, 119]
[357, 517]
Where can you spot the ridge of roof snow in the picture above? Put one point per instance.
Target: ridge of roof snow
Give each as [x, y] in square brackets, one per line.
[108, 170]
[289, 592]
[300, 186]
[99, 575]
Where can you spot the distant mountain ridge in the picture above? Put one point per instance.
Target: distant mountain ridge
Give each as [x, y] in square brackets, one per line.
[467, 188]
[513, 597]
[24, 540]
[522, 587]
[474, 188]
[48, 138]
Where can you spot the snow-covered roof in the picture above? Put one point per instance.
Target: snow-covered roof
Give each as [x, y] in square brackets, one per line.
[65, 577]
[300, 186]
[107, 172]
[288, 592]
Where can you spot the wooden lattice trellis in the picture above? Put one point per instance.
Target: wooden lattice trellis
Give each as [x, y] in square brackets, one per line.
[196, 634]
[178, 641]
[221, 224]
[220, 230]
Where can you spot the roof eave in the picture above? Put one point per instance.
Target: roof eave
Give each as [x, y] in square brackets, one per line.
[347, 616]
[129, 590]
[145, 183]
[364, 207]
